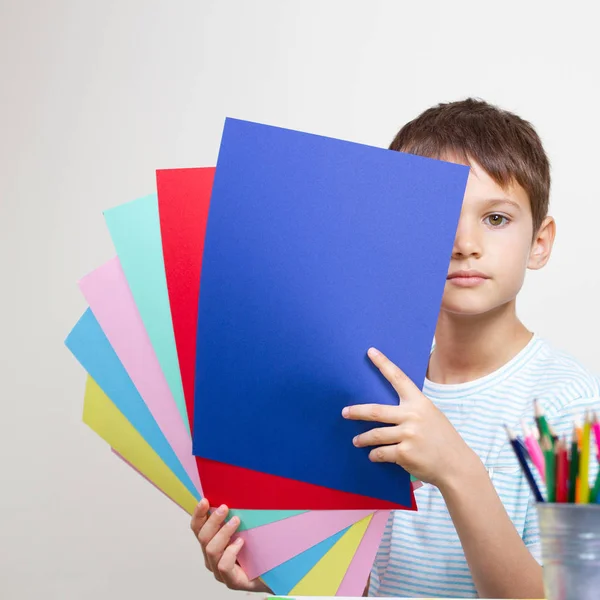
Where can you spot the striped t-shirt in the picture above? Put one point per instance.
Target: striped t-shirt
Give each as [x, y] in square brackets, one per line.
[420, 554]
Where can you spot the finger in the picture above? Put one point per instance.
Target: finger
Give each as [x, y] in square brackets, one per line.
[220, 541]
[384, 454]
[212, 525]
[381, 413]
[399, 380]
[378, 437]
[200, 516]
[231, 573]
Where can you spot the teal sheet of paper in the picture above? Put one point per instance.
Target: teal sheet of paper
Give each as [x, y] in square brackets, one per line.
[135, 231]
[134, 228]
[282, 579]
[255, 518]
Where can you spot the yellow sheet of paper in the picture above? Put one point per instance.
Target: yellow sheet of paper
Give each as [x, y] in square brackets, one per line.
[103, 417]
[106, 420]
[326, 576]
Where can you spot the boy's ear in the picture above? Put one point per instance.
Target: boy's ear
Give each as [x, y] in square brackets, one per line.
[541, 247]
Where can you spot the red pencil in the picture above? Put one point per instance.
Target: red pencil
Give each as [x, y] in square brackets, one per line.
[562, 471]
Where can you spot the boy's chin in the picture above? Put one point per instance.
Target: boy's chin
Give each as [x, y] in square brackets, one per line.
[472, 308]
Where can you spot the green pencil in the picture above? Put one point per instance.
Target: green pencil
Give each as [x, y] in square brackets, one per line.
[542, 423]
[548, 451]
[574, 466]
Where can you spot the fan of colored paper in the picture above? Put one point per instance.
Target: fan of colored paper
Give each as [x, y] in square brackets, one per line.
[225, 336]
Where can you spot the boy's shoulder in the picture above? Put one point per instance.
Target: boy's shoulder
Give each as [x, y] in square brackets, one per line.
[560, 379]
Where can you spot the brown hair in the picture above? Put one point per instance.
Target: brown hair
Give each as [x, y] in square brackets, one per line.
[506, 146]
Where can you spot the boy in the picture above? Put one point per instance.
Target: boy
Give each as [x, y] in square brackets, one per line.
[475, 533]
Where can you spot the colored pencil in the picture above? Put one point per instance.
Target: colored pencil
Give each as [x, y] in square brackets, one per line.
[542, 423]
[584, 467]
[578, 431]
[523, 448]
[596, 427]
[535, 452]
[573, 465]
[548, 451]
[564, 465]
[523, 462]
[562, 471]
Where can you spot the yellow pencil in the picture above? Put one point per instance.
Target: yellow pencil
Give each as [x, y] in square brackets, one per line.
[584, 465]
[577, 438]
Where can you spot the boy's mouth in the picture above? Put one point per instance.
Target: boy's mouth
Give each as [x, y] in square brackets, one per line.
[467, 278]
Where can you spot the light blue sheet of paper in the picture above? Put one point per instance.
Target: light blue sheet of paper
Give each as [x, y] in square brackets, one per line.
[91, 348]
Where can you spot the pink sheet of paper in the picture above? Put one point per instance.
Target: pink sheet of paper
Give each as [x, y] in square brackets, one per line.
[110, 299]
[356, 577]
[279, 542]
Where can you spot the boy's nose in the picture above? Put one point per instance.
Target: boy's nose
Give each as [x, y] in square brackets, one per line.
[466, 242]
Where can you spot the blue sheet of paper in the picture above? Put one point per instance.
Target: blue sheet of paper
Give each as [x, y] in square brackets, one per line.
[90, 346]
[315, 250]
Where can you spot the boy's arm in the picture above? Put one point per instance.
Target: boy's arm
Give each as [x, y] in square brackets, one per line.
[499, 561]
[424, 442]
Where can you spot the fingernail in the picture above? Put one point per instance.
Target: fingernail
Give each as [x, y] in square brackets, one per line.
[239, 541]
[235, 521]
[345, 412]
[374, 352]
[355, 440]
[221, 510]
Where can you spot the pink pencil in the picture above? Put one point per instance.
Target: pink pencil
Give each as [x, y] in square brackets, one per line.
[534, 450]
[596, 427]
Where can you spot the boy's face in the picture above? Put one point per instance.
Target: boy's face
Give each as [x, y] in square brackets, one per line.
[494, 246]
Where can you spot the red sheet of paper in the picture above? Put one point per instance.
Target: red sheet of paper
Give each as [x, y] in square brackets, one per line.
[183, 204]
[247, 489]
[183, 201]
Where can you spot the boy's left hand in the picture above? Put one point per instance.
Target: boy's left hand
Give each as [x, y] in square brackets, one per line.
[421, 439]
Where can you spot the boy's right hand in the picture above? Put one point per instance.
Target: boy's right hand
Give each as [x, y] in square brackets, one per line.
[220, 555]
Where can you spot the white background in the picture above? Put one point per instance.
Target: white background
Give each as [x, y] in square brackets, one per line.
[96, 95]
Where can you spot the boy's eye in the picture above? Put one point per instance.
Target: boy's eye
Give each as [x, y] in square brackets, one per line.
[497, 220]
